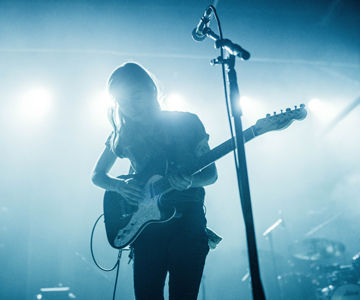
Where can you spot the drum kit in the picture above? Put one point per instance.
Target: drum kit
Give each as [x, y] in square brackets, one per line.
[321, 281]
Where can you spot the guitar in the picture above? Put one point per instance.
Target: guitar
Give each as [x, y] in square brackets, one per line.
[124, 222]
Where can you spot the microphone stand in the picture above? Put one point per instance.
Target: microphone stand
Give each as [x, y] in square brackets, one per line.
[241, 168]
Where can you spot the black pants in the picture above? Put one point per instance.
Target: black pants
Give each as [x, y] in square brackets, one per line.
[179, 247]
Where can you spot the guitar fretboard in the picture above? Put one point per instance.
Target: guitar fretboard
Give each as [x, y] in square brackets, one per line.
[162, 186]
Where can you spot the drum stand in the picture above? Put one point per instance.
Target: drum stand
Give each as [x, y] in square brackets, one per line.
[267, 234]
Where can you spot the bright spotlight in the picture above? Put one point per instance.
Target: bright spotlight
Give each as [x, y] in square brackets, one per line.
[174, 102]
[246, 103]
[100, 105]
[36, 103]
[314, 104]
[323, 110]
[249, 107]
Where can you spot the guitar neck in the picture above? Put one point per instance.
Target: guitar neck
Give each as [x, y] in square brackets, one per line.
[162, 186]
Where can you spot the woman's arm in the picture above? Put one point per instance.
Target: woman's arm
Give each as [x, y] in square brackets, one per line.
[100, 176]
[205, 177]
[128, 188]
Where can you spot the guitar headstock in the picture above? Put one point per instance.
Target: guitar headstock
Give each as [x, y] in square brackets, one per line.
[280, 121]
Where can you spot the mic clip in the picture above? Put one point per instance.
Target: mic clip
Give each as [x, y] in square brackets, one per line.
[229, 62]
[218, 61]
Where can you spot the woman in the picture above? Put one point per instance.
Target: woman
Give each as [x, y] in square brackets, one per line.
[141, 133]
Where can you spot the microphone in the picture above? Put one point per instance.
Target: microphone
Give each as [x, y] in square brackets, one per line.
[197, 33]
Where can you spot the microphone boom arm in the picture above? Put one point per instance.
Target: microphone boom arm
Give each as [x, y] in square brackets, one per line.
[226, 44]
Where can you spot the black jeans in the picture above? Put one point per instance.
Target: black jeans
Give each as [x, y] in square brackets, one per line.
[179, 247]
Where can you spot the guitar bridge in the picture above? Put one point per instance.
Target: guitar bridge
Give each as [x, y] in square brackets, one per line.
[123, 216]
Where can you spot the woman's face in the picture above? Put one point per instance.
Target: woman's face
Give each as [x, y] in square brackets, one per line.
[137, 102]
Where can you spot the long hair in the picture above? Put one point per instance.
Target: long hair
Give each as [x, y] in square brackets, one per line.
[129, 73]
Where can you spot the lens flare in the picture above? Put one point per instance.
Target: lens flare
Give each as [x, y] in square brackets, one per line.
[36, 103]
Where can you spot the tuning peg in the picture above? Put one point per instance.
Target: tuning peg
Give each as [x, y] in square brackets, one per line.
[288, 109]
[281, 110]
[274, 113]
[295, 106]
[267, 115]
[302, 105]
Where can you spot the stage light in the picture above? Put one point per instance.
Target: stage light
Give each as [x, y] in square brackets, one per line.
[36, 103]
[246, 103]
[314, 104]
[249, 107]
[324, 111]
[100, 105]
[174, 102]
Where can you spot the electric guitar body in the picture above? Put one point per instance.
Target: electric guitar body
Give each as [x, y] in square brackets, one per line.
[123, 221]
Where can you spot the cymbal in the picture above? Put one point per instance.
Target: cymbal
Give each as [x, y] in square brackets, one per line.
[316, 249]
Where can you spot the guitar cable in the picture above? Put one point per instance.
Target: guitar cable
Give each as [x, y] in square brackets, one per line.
[117, 264]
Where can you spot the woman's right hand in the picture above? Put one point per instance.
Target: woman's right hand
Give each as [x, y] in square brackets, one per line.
[131, 190]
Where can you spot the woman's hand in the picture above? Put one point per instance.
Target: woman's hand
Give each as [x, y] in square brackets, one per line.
[131, 190]
[180, 182]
